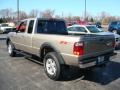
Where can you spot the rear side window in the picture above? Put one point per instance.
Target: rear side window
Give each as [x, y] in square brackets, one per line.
[30, 27]
[70, 29]
[77, 29]
[61, 27]
[81, 29]
[41, 26]
[51, 27]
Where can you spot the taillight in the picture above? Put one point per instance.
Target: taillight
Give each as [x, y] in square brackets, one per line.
[78, 48]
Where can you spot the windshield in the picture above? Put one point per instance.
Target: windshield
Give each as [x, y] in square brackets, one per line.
[93, 29]
[4, 25]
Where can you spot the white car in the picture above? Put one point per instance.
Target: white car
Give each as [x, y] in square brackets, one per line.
[5, 28]
[91, 29]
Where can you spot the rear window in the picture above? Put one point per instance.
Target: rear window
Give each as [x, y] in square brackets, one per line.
[93, 29]
[51, 27]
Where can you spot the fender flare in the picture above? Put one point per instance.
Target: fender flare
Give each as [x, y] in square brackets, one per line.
[46, 44]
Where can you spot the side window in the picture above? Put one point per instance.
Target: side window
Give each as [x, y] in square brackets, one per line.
[22, 26]
[50, 27]
[55, 27]
[30, 27]
[70, 29]
[80, 29]
[41, 26]
[61, 28]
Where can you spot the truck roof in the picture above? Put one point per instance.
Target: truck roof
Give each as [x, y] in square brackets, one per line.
[56, 19]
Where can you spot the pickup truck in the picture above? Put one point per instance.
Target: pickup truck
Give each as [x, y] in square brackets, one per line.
[49, 40]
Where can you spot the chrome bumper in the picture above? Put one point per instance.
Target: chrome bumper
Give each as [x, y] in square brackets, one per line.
[93, 61]
[87, 65]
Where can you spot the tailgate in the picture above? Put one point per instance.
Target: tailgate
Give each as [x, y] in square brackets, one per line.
[95, 45]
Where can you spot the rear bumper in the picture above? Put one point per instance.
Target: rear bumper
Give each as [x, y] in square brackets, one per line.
[90, 62]
[93, 61]
[87, 62]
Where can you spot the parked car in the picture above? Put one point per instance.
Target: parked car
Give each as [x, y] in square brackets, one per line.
[91, 29]
[49, 40]
[114, 27]
[5, 28]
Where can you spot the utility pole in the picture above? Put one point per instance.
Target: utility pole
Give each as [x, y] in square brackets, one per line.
[85, 11]
[18, 10]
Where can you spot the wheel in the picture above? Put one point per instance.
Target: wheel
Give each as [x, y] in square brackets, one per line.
[52, 66]
[114, 31]
[10, 49]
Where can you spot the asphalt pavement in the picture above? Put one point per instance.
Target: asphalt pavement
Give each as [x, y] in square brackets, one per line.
[19, 73]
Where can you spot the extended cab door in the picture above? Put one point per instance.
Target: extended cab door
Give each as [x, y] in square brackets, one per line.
[19, 36]
[27, 37]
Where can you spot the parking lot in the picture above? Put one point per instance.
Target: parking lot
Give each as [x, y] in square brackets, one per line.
[19, 73]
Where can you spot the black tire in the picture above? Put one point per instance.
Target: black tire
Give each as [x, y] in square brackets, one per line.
[56, 69]
[10, 49]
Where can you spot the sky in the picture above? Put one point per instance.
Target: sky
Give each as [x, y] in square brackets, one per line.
[67, 7]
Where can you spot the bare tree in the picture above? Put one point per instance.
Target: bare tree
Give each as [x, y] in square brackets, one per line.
[69, 18]
[6, 13]
[22, 15]
[57, 16]
[103, 15]
[33, 13]
[75, 18]
[88, 16]
[47, 13]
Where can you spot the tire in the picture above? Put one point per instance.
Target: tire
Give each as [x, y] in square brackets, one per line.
[52, 66]
[10, 49]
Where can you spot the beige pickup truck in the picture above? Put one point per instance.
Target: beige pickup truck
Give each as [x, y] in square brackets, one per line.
[49, 40]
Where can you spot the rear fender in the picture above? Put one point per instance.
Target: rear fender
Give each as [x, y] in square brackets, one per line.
[48, 45]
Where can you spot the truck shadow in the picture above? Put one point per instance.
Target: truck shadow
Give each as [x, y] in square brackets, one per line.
[103, 75]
